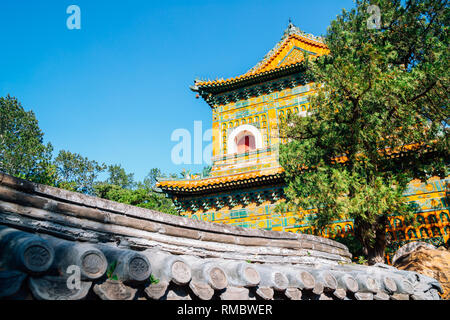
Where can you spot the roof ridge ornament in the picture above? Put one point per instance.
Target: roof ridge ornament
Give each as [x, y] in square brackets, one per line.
[293, 29]
[291, 34]
[290, 30]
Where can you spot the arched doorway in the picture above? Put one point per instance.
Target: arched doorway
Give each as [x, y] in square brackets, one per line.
[245, 138]
[245, 142]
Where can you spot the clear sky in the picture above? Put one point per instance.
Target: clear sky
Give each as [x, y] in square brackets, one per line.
[116, 89]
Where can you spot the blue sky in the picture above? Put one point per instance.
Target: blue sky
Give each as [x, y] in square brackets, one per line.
[115, 90]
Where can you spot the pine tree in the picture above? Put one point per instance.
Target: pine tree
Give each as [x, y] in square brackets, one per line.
[379, 117]
[22, 150]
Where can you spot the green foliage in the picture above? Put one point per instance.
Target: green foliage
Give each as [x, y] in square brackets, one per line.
[141, 197]
[22, 151]
[152, 178]
[23, 154]
[153, 280]
[206, 171]
[353, 245]
[118, 177]
[185, 174]
[379, 90]
[77, 173]
[120, 187]
[110, 271]
[362, 260]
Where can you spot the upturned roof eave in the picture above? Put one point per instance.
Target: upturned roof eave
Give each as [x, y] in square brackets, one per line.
[234, 84]
[212, 188]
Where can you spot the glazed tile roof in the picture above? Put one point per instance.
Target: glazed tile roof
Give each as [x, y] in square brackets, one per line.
[267, 175]
[212, 182]
[288, 52]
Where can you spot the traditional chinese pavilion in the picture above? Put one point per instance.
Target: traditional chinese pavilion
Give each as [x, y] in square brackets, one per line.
[246, 180]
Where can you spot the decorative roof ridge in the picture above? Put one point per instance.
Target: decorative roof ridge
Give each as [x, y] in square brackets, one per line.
[269, 55]
[196, 87]
[277, 169]
[290, 31]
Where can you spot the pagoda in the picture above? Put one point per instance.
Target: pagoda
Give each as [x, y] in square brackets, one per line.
[246, 180]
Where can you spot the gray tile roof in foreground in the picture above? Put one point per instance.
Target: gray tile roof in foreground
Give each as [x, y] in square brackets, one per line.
[51, 238]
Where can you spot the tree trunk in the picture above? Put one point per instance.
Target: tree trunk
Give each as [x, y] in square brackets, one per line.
[376, 253]
[374, 250]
